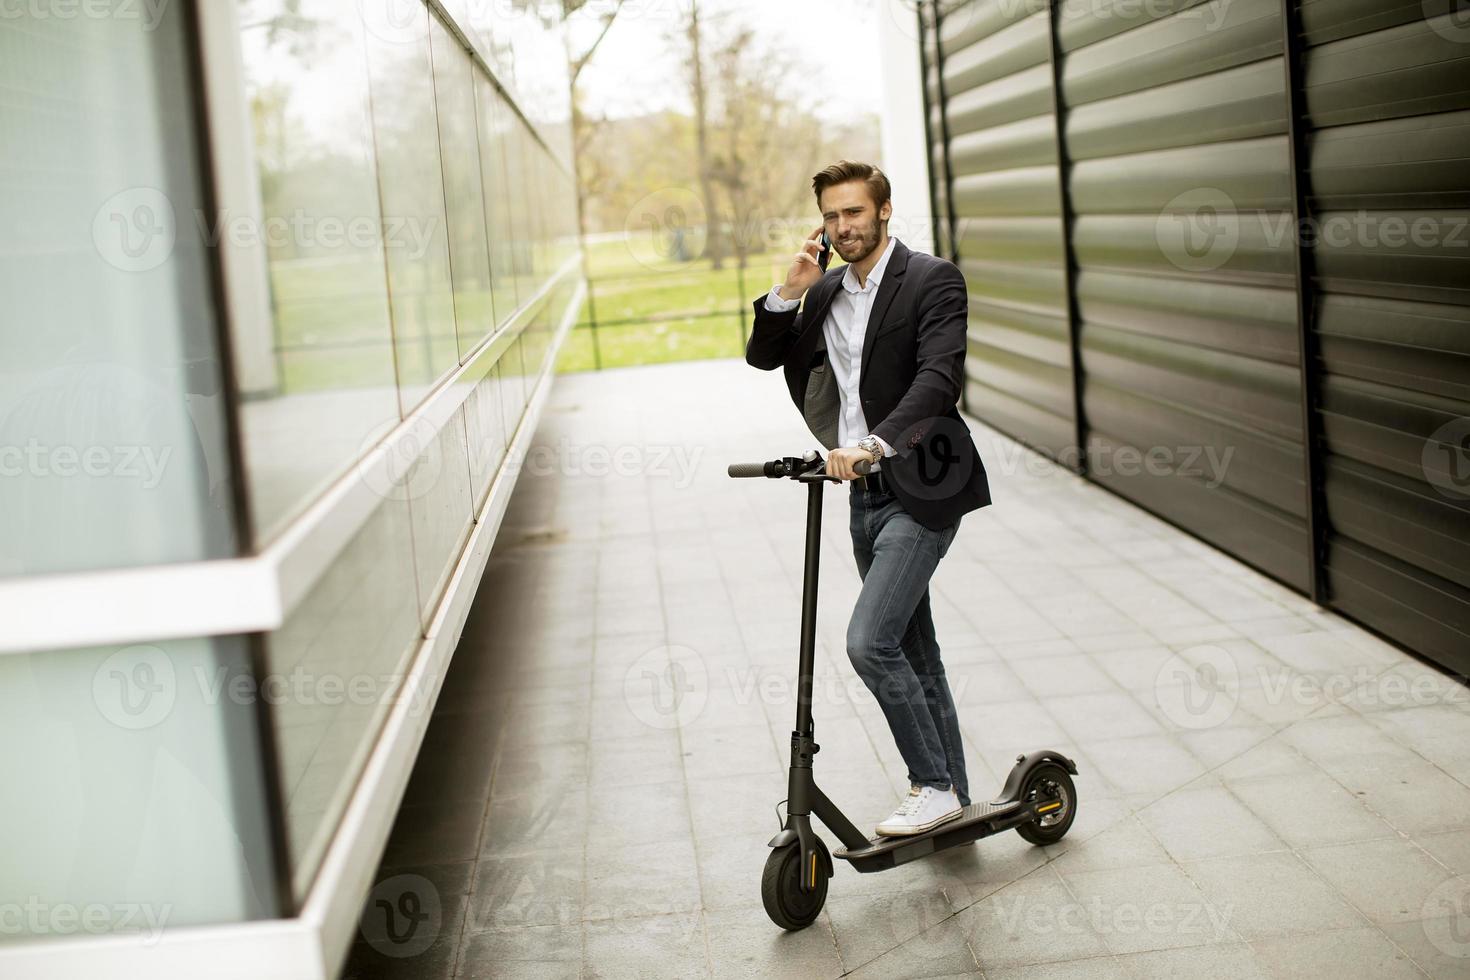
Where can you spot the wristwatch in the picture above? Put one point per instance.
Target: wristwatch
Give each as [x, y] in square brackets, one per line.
[872, 445]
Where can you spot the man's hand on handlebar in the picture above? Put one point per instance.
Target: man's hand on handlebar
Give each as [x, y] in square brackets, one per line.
[840, 462]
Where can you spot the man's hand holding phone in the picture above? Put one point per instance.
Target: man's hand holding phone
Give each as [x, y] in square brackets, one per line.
[805, 271]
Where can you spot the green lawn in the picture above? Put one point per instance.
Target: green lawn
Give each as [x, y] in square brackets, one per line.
[675, 311]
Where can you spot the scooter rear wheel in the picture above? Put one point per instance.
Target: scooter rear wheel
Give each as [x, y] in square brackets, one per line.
[781, 893]
[1052, 781]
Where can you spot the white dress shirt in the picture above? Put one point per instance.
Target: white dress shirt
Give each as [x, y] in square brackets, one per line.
[844, 329]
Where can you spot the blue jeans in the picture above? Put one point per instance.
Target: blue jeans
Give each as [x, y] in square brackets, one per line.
[890, 639]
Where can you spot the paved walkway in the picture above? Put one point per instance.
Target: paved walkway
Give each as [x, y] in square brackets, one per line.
[1265, 789]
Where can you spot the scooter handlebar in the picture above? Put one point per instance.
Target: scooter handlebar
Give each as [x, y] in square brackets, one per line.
[776, 468]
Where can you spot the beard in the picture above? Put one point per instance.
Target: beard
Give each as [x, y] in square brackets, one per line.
[862, 245]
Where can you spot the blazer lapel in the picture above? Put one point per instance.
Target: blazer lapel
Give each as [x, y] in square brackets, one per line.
[892, 274]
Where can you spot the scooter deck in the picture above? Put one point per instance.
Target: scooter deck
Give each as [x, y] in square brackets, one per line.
[976, 821]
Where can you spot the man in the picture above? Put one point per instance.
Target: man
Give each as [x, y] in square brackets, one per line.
[875, 362]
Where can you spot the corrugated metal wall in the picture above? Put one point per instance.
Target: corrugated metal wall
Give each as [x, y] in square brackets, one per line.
[1387, 95]
[993, 63]
[1193, 139]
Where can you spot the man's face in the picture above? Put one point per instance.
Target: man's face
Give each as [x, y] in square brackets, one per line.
[853, 222]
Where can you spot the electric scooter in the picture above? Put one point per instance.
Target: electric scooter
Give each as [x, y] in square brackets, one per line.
[1038, 799]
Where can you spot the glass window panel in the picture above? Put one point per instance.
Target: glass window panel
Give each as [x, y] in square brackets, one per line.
[411, 186]
[316, 378]
[521, 246]
[469, 254]
[485, 429]
[438, 489]
[495, 120]
[136, 786]
[512, 387]
[342, 655]
[112, 437]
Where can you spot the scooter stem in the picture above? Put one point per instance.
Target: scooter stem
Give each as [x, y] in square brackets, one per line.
[809, 606]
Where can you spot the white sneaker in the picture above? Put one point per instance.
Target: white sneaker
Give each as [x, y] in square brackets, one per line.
[923, 809]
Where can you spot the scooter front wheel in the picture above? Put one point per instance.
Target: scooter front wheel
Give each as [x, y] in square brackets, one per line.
[788, 905]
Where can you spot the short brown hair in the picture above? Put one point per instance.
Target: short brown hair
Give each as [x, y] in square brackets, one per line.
[844, 170]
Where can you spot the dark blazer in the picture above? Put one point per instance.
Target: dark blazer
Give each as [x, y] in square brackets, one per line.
[913, 369]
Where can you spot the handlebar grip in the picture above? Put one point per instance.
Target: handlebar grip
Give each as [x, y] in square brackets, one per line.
[748, 469]
[862, 467]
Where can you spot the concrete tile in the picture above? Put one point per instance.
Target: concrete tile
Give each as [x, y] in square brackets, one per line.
[1205, 823]
[1389, 880]
[1437, 946]
[1305, 809]
[1153, 907]
[530, 951]
[743, 943]
[1415, 798]
[625, 947]
[655, 878]
[1334, 955]
[1225, 961]
[1124, 844]
[1091, 968]
[1267, 895]
[1060, 676]
[1034, 921]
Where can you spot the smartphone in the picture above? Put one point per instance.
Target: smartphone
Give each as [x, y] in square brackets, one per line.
[825, 255]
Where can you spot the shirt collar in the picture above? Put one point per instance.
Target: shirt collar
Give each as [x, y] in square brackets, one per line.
[875, 276]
